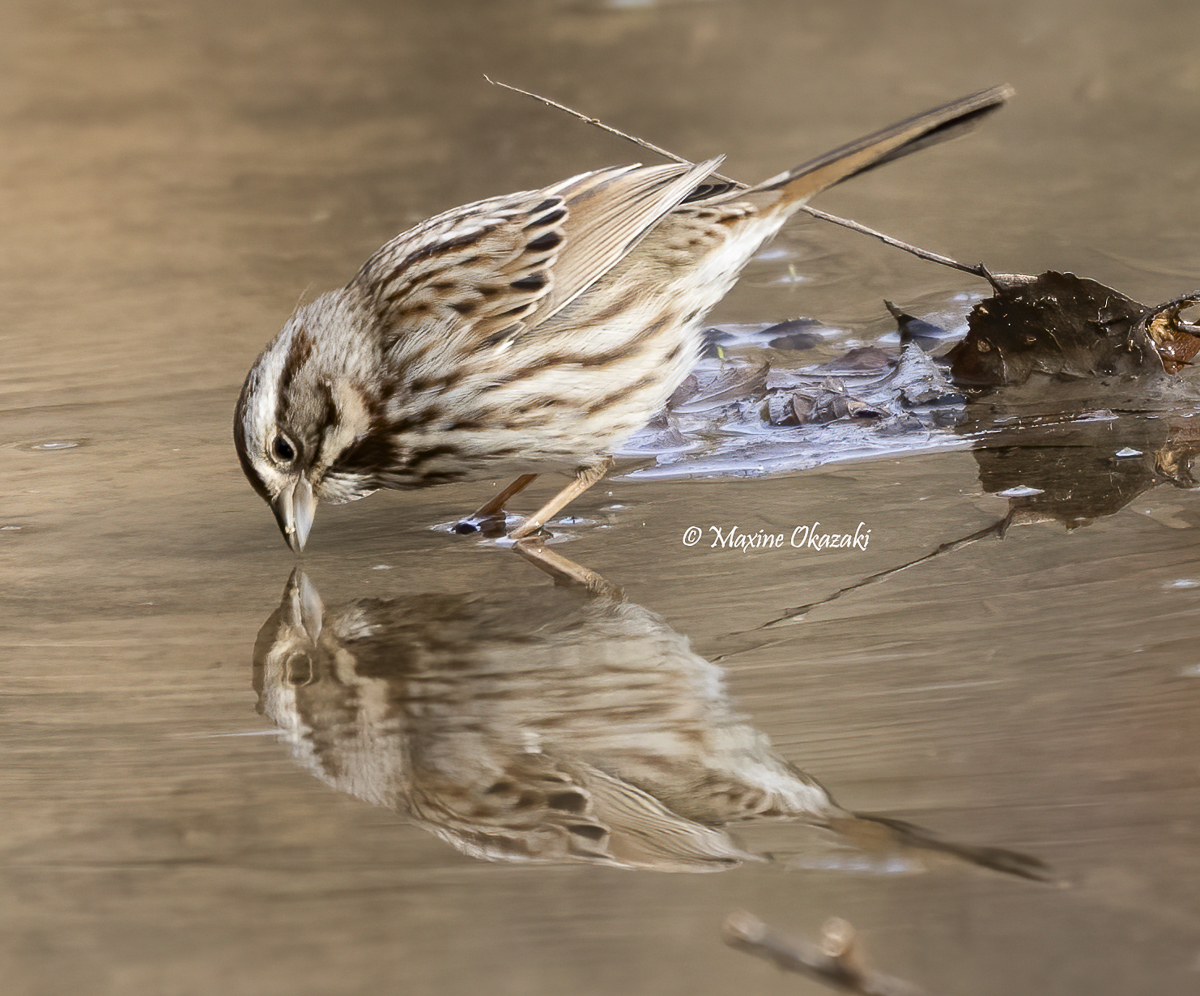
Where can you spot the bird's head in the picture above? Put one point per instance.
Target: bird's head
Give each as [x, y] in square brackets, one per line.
[301, 418]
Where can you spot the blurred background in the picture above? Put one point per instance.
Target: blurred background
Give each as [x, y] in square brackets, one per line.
[176, 176]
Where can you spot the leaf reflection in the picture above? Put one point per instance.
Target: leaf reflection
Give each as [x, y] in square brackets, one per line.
[1077, 467]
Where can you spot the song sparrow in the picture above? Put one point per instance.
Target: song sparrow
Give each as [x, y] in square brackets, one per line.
[537, 726]
[524, 333]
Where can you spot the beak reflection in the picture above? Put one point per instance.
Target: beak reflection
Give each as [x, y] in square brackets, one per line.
[547, 726]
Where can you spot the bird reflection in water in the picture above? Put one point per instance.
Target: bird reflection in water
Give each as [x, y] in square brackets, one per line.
[547, 725]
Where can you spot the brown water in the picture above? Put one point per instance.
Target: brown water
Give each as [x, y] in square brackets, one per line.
[176, 176]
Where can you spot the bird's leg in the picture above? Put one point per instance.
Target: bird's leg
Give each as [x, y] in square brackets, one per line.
[496, 503]
[493, 507]
[584, 479]
[562, 570]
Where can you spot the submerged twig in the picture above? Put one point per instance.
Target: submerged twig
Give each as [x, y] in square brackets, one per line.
[977, 269]
[836, 961]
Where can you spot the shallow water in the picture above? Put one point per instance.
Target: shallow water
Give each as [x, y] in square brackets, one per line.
[177, 176]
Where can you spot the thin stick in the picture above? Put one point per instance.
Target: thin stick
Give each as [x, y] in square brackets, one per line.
[608, 128]
[977, 270]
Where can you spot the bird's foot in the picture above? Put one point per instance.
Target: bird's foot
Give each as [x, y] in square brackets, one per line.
[491, 526]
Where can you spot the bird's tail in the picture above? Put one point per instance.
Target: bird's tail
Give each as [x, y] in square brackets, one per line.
[948, 121]
[882, 834]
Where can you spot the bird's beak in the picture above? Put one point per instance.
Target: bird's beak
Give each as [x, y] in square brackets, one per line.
[294, 508]
[303, 606]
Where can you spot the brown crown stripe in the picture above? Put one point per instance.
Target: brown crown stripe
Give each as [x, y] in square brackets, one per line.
[301, 349]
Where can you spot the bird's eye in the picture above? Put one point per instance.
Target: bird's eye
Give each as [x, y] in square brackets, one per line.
[283, 450]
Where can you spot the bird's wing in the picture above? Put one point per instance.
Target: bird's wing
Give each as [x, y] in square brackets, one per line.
[608, 213]
[485, 272]
[566, 810]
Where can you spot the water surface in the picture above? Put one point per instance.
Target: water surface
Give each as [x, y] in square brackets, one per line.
[177, 176]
